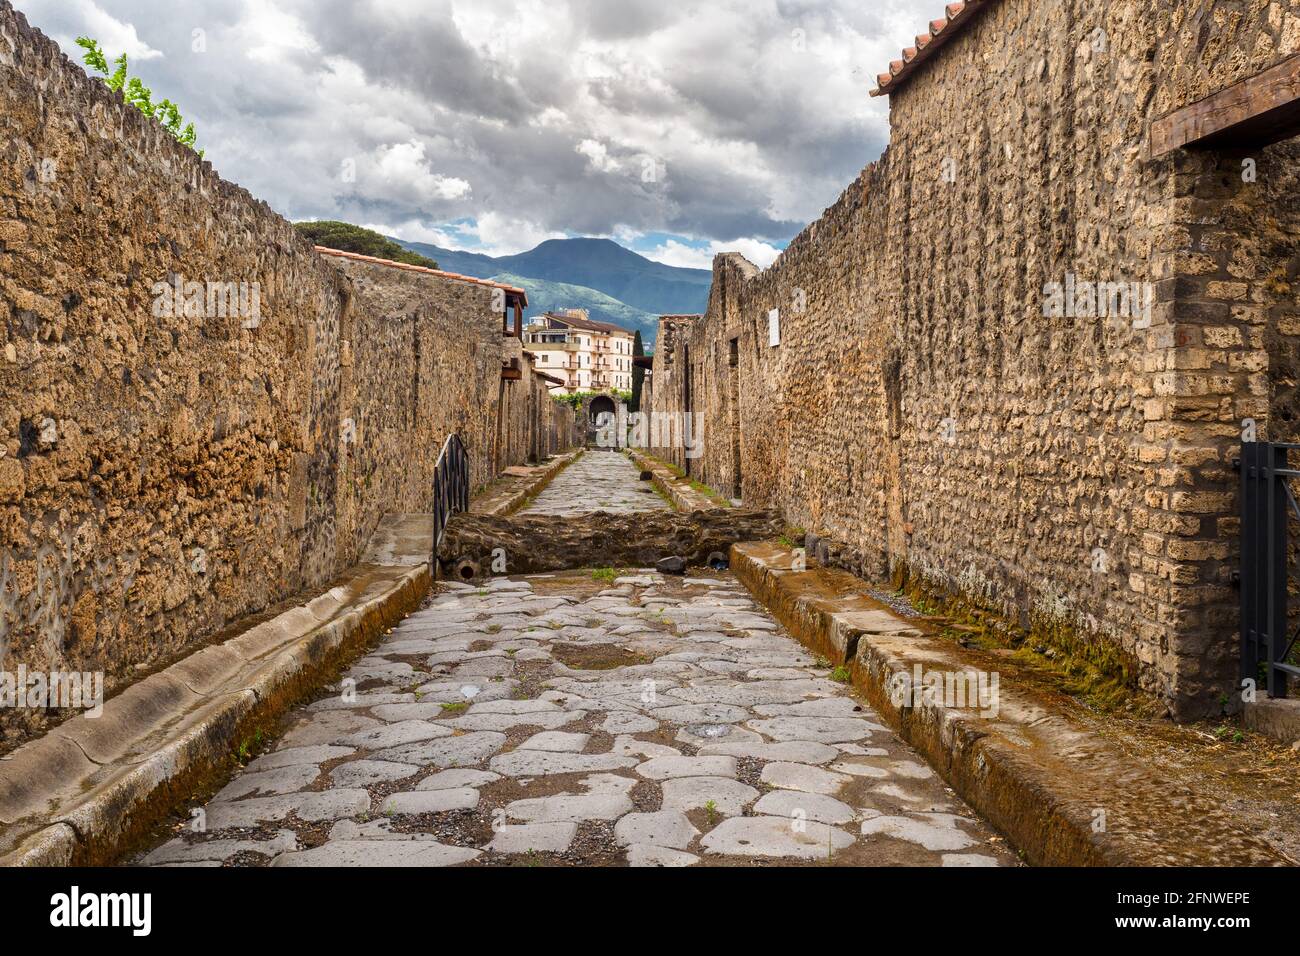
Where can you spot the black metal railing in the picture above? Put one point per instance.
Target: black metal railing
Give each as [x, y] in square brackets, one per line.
[1267, 506]
[450, 488]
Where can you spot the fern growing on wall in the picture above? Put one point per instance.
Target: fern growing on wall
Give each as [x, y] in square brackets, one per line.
[136, 93]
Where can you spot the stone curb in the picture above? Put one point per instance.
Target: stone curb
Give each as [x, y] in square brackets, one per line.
[675, 488]
[1038, 776]
[527, 487]
[1278, 718]
[85, 791]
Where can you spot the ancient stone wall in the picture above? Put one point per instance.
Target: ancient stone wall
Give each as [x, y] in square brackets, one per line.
[1071, 471]
[170, 463]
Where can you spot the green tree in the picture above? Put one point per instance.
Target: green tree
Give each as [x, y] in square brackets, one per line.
[136, 93]
[365, 242]
[638, 373]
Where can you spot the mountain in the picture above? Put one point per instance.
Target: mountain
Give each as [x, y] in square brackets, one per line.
[609, 268]
[466, 263]
[597, 265]
[547, 296]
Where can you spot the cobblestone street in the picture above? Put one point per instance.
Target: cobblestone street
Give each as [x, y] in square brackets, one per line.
[598, 481]
[566, 720]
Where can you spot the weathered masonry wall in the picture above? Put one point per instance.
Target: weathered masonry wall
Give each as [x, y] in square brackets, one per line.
[163, 474]
[1071, 472]
[422, 359]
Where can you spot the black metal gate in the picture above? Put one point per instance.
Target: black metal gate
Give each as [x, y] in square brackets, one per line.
[1267, 506]
[450, 490]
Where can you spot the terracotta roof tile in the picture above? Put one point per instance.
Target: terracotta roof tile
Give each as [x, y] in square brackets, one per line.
[928, 44]
[454, 276]
[588, 325]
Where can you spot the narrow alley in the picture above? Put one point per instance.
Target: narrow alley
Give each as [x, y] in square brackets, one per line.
[587, 717]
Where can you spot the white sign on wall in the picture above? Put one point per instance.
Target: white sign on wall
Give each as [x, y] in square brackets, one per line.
[774, 327]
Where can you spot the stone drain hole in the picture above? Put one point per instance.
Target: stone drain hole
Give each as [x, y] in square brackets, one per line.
[466, 569]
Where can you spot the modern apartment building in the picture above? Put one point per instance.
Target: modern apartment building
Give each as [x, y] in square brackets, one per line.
[589, 356]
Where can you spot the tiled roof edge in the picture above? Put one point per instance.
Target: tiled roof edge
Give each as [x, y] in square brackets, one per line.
[956, 17]
[339, 253]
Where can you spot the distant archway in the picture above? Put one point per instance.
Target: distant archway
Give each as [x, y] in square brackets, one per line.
[600, 405]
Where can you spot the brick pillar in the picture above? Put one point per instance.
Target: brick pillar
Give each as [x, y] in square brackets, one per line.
[1207, 371]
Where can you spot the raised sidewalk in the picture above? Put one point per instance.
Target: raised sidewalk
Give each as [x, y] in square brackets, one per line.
[82, 793]
[1061, 794]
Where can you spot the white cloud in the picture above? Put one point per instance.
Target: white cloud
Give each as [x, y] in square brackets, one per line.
[269, 33]
[114, 36]
[504, 235]
[597, 155]
[416, 231]
[402, 172]
[549, 108]
[674, 253]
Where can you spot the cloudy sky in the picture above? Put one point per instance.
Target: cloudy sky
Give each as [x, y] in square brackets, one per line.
[678, 128]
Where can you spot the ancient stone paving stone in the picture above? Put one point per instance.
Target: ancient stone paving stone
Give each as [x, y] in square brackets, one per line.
[533, 837]
[363, 773]
[871, 766]
[556, 741]
[606, 798]
[823, 707]
[446, 751]
[457, 777]
[313, 754]
[396, 713]
[800, 776]
[934, 831]
[539, 763]
[968, 859]
[808, 806]
[280, 780]
[405, 647]
[857, 750]
[460, 691]
[431, 801]
[728, 797]
[377, 829]
[704, 734]
[827, 730]
[748, 694]
[178, 851]
[515, 707]
[394, 735]
[925, 802]
[667, 828]
[626, 746]
[628, 723]
[394, 671]
[312, 729]
[639, 854]
[789, 751]
[379, 853]
[701, 714]
[321, 805]
[360, 701]
[663, 768]
[775, 837]
[489, 721]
